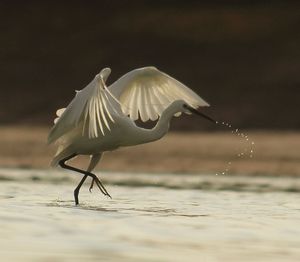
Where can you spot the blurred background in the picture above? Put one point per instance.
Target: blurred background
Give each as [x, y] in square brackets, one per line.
[243, 57]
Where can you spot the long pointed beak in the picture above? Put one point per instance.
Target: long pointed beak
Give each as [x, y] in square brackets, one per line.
[194, 111]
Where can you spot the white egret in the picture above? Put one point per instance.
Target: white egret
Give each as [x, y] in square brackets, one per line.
[101, 118]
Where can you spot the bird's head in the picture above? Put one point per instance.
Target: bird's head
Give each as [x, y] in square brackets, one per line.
[188, 109]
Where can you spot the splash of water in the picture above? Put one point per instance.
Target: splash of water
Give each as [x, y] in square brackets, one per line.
[247, 151]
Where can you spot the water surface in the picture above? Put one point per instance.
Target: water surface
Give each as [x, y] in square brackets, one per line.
[150, 218]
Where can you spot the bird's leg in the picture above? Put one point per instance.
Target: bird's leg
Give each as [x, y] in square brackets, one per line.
[93, 176]
[86, 174]
[95, 158]
[76, 191]
[91, 186]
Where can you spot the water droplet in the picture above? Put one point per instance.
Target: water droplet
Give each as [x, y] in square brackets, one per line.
[242, 152]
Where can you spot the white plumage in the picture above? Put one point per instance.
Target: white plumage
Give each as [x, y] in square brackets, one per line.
[101, 118]
[149, 92]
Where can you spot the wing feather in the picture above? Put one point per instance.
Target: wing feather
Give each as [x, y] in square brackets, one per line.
[98, 111]
[133, 109]
[102, 111]
[155, 103]
[161, 99]
[107, 112]
[149, 109]
[92, 107]
[148, 92]
[141, 104]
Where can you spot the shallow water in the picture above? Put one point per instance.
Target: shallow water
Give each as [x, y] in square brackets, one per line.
[150, 218]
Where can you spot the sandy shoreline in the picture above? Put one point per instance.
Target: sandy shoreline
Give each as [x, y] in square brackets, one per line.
[274, 153]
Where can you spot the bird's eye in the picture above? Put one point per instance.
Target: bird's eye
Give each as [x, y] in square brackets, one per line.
[185, 106]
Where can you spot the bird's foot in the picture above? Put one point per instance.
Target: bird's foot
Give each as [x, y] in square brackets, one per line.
[100, 186]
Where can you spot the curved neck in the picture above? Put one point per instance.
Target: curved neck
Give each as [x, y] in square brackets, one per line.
[161, 127]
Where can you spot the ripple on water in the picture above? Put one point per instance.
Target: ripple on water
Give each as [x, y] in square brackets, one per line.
[70, 204]
[6, 196]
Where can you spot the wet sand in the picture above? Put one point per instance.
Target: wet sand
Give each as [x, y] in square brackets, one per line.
[274, 153]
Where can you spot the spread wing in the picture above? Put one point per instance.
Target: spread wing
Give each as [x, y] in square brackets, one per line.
[91, 109]
[147, 92]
